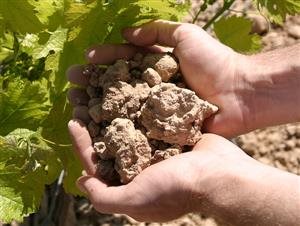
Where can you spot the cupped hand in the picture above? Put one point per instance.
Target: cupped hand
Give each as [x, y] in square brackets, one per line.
[211, 69]
[217, 177]
[214, 71]
[171, 188]
[166, 190]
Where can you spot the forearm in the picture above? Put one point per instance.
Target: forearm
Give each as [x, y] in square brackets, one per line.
[272, 87]
[262, 196]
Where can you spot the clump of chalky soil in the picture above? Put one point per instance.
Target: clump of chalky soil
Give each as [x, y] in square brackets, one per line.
[141, 114]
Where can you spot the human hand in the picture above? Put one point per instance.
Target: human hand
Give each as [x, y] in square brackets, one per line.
[211, 69]
[166, 190]
[217, 179]
[225, 196]
[252, 91]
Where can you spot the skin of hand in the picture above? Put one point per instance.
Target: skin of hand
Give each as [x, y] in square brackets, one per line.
[209, 68]
[217, 177]
[251, 91]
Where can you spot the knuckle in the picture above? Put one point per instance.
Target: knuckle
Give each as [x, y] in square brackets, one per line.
[186, 30]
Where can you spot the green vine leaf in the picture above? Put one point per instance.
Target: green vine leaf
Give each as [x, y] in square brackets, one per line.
[24, 104]
[235, 32]
[46, 9]
[277, 10]
[26, 165]
[55, 44]
[19, 16]
[55, 129]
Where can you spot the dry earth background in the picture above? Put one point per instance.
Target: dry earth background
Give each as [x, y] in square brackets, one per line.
[277, 146]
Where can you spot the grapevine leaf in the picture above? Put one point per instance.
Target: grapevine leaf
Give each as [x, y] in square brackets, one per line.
[58, 64]
[55, 130]
[73, 169]
[39, 46]
[6, 45]
[26, 165]
[1, 25]
[17, 199]
[20, 16]
[101, 23]
[277, 10]
[23, 104]
[54, 44]
[77, 12]
[235, 32]
[46, 9]
[91, 23]
[29, 43]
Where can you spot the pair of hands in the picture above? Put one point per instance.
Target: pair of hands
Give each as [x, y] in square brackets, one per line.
[190, 181]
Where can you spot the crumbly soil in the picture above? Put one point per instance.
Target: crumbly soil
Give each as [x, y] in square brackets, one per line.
[276, 146]
[140, 116]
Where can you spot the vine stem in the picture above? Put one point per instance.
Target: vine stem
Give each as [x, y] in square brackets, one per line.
[225, 7]
[197, 15]
[58, 145]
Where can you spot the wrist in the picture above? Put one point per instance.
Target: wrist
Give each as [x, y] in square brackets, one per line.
[270, 89]
[251, 194]
[219, 178]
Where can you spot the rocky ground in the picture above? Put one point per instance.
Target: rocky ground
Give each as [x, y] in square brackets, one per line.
[277, 146]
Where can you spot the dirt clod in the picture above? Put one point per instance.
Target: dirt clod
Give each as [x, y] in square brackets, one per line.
[130, 148]
[151, 77]
[139, 119]
[160, 155]
[175, 115]
[165, 65]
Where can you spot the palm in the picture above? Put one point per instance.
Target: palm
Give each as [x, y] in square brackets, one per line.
[155, 190]
[209, 69]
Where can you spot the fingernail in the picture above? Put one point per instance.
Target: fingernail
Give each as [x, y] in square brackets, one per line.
[91, 53]
[71, 123]
[84, 173]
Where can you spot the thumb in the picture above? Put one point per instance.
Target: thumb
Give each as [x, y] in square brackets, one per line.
[105, 199]
[160, 32]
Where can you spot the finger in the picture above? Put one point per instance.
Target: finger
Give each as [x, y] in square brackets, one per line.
[106, 199]
[83, 145]
[78, 96]
[81, 112]
[107, 54]
[75, 75]
[157, 32]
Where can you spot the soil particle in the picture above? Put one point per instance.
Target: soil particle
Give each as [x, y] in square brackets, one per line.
[165, 65]
[136, 118]
[130, 148]
[294, 31]
[175, 115]
[151, 77]
[160, 155]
